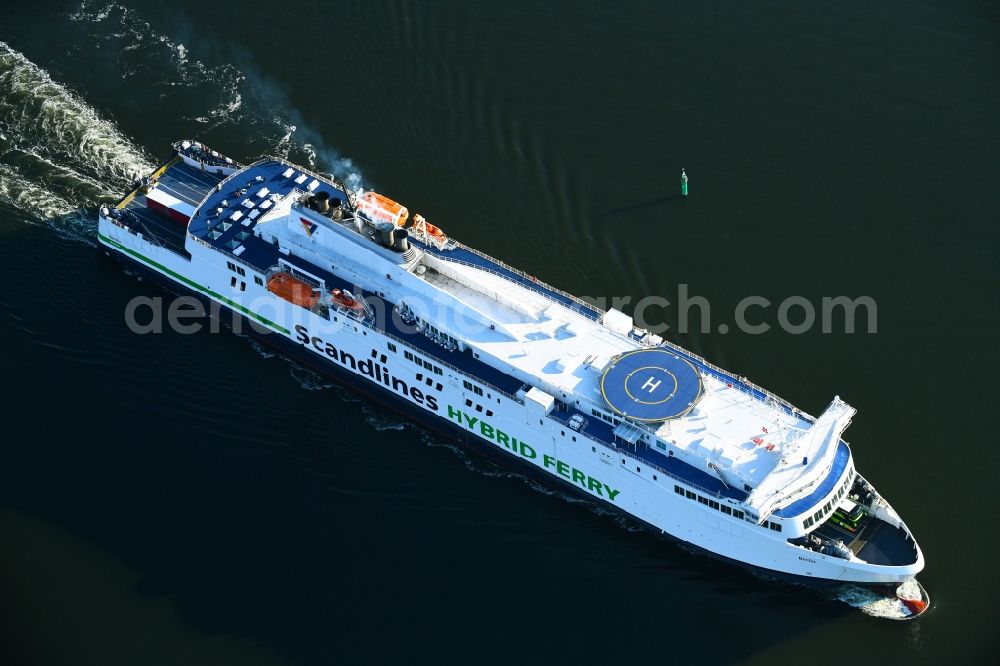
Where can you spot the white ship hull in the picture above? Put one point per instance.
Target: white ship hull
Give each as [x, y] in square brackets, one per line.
[518, 430]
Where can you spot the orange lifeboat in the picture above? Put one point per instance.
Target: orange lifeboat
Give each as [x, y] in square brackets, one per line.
[292, 290]
[420, 224]
[379, 208]
[345, 300]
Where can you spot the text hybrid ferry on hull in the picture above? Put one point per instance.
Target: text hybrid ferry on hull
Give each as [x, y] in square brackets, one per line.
[515, 368]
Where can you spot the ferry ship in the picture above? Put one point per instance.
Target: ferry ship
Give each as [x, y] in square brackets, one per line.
[347, 282]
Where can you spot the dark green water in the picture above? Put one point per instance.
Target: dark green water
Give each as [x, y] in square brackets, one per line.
[190, 499]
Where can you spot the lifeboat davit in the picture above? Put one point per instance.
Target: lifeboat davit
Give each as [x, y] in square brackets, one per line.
[420, 224]
[345, 300]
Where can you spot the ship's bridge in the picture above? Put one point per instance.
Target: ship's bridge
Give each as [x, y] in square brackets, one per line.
[651, 385]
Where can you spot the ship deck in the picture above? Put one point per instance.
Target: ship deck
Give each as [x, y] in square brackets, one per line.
[180, 181]
[227, 217]
[875, 542]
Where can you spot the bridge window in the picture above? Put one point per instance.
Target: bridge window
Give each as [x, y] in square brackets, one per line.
[408, 356]
[391, 346]
[727, 510]
[737, 514]
[689, 494]
[702, 500]
[713, 504]
[259, 280]
[775, 526]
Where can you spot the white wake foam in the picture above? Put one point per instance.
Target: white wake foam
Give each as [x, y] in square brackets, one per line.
[21, 194]
[874, 604]
[41, 117]
[58, 156]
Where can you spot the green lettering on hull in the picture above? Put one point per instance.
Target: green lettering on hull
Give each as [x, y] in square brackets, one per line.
[526, 451]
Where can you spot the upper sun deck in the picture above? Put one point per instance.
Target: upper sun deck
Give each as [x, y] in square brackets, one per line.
[227, 217]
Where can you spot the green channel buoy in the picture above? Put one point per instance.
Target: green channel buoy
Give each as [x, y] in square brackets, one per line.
[684, 183]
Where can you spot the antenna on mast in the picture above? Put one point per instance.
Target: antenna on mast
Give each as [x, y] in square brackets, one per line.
[352, 197]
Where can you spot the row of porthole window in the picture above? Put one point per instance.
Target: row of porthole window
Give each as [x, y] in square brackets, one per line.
[724, 508]
[469, 386]
[441, 334]
[605, 417]
[410, 356]
[710, 503]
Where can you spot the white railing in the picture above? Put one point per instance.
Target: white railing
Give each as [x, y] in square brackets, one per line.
[225, 251]
[643, 461]
[148, 236]
[531, 278]
[741, 384]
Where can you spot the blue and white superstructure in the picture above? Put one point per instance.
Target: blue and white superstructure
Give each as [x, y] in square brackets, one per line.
[348, 283]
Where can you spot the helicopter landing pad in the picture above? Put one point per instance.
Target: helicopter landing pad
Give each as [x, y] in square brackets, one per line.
[651, 385]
